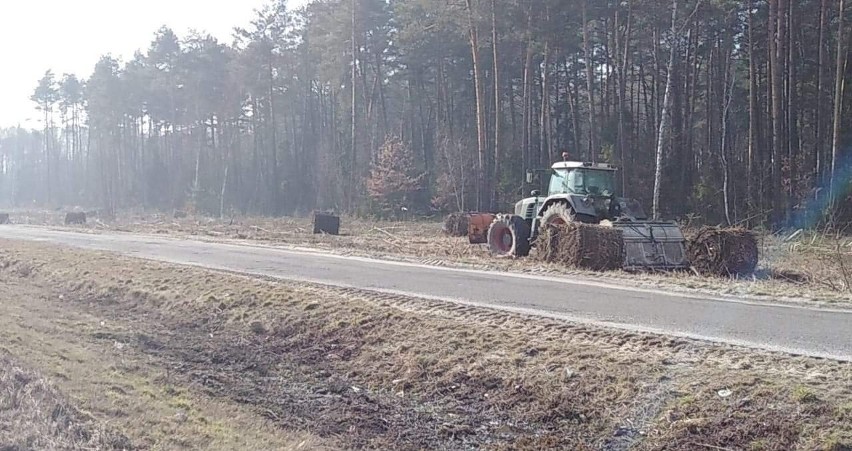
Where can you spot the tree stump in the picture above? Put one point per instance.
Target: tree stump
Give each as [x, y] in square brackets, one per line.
[4, 218]
[75, 218]
[326, 223]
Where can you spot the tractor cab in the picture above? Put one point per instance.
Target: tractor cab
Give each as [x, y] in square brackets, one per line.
[586, 179]
[587, 188]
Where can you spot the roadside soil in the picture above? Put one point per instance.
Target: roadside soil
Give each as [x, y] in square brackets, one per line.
[811, 268]
[166, 356]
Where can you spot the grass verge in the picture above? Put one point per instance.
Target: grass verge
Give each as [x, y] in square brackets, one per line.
[363, 370]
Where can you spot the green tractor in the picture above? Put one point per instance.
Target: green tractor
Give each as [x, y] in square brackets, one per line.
[585, 192]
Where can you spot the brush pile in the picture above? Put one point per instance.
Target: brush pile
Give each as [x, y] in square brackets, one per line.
[726, 252]
[584, 246]
[75, 217]
[456, 224]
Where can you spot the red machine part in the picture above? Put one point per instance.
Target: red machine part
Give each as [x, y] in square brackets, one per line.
[477, 232]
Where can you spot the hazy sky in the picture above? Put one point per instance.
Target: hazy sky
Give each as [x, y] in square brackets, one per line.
[69, 36]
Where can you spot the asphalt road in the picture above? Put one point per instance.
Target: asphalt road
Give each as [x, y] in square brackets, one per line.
[794, 329]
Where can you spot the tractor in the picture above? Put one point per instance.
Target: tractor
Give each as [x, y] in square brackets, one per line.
[585, 192]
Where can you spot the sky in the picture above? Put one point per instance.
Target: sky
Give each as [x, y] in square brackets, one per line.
[69, 36]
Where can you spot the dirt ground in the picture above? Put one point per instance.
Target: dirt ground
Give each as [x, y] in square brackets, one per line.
[811, 268]
[164, 357]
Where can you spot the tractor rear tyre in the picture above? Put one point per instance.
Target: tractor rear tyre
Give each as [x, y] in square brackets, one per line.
[558, 214]
[562, 214]
[509, 236]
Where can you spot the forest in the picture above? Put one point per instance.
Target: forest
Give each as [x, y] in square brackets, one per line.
[725, 111]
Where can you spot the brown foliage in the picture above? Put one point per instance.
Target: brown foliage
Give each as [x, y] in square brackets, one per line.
[394, 178]
[446, 196]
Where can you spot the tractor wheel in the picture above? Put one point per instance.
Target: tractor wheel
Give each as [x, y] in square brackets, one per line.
[558, 214]
[561, 214]
[509, 236]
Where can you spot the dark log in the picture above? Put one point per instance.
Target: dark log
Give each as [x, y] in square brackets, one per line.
[75, 218]
[326, 223]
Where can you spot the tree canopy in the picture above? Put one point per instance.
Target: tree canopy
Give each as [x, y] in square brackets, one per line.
[741, 105]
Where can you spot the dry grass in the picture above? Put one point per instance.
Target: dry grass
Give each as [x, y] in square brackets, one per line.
[34, 415]
[113, 383]
[380, 371]
[815, 259]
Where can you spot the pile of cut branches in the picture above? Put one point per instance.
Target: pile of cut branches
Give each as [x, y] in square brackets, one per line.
[585, 246]
[456, 224]
[717, 251]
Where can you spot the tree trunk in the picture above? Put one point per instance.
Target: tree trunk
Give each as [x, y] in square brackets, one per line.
[571, 98]
[752, 110]
[222, 193]
[526, 128]
[495, 178]
[839, 85]
[792, 134]
[275, 183]
[819, 151]
[622, 90]
[590, 86]
[353, 169]
[543, 149]
[777, 21]
[664, 116]
[481, 138]
[728, 96]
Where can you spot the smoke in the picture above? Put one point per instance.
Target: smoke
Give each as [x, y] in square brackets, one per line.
[812, 211]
